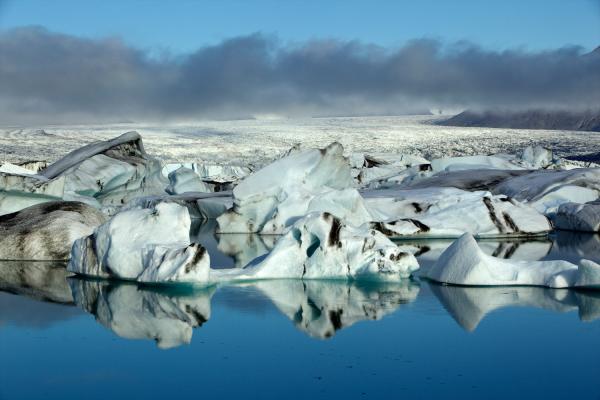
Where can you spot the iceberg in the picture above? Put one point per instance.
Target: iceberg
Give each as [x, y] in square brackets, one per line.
[46, 231]
[546, 190]
[464, 263]
[184, 180]
[147, 245]
[450, 212]
[273, 198]
[578, 217]
[112, 171]
[216, 177]
[321, 246]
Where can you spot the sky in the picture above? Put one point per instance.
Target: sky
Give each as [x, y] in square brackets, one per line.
[115, 60]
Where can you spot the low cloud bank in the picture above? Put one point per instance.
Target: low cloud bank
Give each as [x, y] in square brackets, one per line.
[51, 77]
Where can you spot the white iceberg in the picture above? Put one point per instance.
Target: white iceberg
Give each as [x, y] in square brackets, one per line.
[46, 231]
[578, 217]
[450, 212]
[273, 198]
[147, 245]
[464, 263]
[216, 177]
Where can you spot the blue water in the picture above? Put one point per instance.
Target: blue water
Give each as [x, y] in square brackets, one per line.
[67, 338]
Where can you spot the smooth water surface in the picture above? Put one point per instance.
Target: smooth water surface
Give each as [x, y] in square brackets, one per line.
[68, 338]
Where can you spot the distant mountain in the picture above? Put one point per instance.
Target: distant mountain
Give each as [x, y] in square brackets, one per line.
[530, 119]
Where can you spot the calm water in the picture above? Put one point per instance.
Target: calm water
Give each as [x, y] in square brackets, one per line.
[68, 338]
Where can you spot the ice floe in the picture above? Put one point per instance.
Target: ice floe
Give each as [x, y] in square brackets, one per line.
[46, 231]
[464, 263]
[199, 205]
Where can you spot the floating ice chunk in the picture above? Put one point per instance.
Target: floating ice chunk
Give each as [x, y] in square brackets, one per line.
[113, 171]
[464, 263]
[136, 313]
[450, 212]
[546, 190]
[13, 169]
[150, 245]
[271, 199]
[321, 246]
[578, 217]
[46, 231]
[186, 180]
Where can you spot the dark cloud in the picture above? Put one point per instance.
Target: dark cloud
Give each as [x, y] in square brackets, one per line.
[52, 77]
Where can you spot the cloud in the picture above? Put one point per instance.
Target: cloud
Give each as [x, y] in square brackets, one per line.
[51, 77]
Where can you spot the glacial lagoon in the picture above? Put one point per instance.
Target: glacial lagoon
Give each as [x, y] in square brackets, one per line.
[63, 337]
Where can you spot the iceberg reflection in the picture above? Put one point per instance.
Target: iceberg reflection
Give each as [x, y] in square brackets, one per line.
[168, 315]
[469, 305]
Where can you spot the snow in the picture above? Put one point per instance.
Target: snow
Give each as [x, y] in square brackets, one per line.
[46, 231]
[271, 199]
[464, 263]
[450, 212]
[149, 245]
[578, 217]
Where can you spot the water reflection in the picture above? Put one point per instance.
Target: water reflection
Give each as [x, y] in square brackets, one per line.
[469, 305]
[141, 312]
[40, 292]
